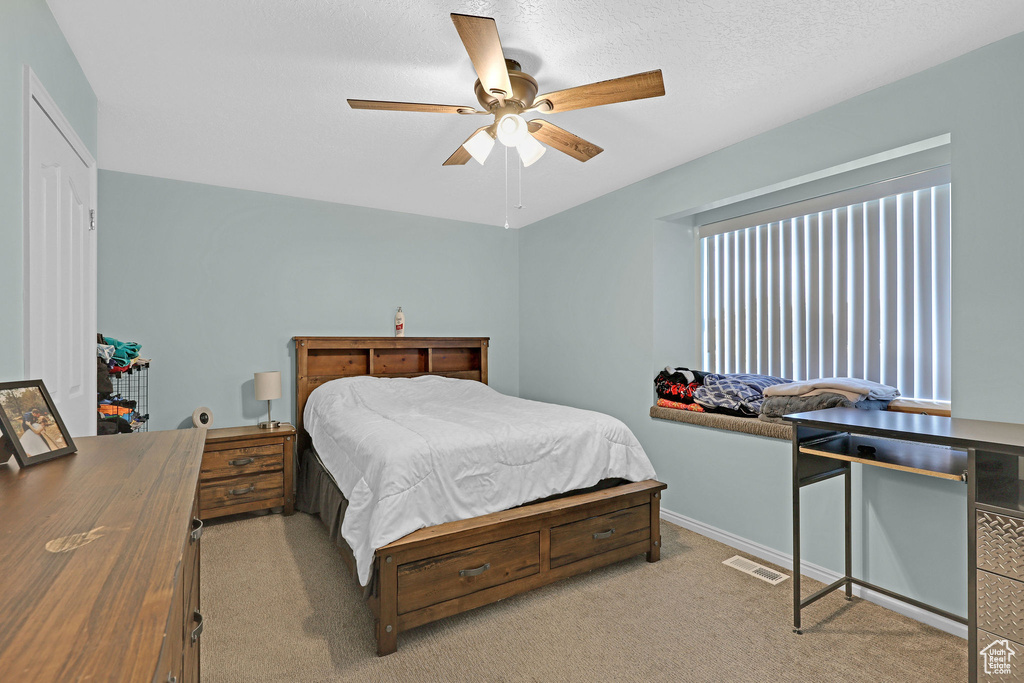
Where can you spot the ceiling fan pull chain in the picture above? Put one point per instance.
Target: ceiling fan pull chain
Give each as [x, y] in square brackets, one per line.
[506, 188]
[520, 167]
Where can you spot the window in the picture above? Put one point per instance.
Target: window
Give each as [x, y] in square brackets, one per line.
[854, 284]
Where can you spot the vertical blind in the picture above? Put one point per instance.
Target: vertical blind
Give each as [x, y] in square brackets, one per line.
[854, 284]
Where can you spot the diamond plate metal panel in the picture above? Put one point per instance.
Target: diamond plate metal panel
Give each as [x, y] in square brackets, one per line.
[1001, 544]
[1010, 652]
[1001, 606]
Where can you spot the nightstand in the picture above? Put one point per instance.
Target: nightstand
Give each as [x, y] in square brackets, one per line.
[246, 469]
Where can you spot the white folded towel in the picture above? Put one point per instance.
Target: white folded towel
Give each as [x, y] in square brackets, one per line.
[872, 390]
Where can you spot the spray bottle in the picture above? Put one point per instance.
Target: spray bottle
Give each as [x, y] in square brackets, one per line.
[399, 323]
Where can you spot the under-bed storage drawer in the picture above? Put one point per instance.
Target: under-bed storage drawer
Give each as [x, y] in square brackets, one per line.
[1000, 601]
[436, 579]
[595, 535]
[233, 495]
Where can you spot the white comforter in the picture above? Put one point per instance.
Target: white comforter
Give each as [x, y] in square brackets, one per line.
[411, 453]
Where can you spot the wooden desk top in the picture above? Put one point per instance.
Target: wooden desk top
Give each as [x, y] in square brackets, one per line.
[948, 431]
[89, 547]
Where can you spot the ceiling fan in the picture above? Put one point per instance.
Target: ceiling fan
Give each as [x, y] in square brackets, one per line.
[506, 91]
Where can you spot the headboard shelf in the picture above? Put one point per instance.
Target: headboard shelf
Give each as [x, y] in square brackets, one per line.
[321, 359]
[390, 342]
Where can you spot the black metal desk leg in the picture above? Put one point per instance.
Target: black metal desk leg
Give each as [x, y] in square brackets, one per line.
[848, 477]
[796, 531]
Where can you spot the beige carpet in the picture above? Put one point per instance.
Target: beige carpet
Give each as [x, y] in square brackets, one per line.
[280, 606]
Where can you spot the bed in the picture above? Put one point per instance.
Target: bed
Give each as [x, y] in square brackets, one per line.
[452, 567]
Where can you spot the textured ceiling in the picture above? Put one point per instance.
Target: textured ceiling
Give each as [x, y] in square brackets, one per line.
[251, 93]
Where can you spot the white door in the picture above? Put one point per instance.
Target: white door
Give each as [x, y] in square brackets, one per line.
[60, 261]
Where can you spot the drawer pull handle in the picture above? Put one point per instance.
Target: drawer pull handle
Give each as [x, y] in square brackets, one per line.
[238, 462]
[198, 630]
[603, 534]
[475, 572]
[197, 530]
[241, 492]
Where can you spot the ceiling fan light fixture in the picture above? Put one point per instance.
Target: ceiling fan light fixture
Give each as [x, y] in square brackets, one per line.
[479, 146]
[530, 150]
[512, 129]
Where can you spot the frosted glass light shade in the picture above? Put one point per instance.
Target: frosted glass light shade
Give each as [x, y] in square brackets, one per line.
[530, 150]
[479, 146]
[268, 385]
[512, 129]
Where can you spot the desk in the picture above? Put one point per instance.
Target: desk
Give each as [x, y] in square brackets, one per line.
[987, 456]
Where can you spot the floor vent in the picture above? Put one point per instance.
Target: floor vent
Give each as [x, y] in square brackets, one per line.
[754, 569]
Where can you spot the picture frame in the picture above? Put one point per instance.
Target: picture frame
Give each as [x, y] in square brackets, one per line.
[31, 429]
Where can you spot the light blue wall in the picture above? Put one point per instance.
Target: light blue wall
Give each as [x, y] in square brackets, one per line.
[592, 278]
[29, 35]
[214, 282]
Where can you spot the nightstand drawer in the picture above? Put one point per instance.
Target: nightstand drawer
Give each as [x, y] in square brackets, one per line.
[234, 462]
[219, 496]
[261, 439]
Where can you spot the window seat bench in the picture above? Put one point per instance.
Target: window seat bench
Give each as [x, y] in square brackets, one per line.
[772, 430]
[747, 425]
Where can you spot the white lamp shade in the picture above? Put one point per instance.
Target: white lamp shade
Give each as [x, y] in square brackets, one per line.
[479, 146]
[268, 385]
[530, 150]
[512, 129]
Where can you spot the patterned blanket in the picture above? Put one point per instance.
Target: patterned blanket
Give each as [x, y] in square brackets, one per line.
[739, 394]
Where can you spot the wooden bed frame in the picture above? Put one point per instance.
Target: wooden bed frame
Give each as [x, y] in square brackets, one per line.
[454, 567]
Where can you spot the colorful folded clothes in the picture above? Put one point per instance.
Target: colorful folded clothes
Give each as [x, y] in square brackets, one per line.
[124, 352]
[693, 407]
[107, 409]
[678, 384]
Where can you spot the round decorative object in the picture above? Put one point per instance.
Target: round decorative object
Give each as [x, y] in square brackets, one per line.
[202, 417]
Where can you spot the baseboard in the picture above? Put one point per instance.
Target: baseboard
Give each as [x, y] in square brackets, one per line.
[813, 571]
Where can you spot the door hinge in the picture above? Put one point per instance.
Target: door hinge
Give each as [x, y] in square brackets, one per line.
[92, 219]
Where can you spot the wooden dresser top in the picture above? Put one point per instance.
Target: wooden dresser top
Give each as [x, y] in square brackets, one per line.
[89, 547]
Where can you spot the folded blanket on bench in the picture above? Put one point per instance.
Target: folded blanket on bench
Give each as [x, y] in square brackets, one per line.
[777, 406]
[737, 394]
[862, 387]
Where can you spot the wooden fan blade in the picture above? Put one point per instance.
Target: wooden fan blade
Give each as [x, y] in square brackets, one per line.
[480, 36]
[460, 156]
[635, 87]
[563, 140]
[381, 105]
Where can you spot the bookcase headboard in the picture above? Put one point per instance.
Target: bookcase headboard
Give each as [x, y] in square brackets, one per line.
[321, 359]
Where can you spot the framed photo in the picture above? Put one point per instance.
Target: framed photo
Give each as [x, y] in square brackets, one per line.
[30, 424]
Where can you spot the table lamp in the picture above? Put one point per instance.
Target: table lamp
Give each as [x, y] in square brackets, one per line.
[268, 387]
